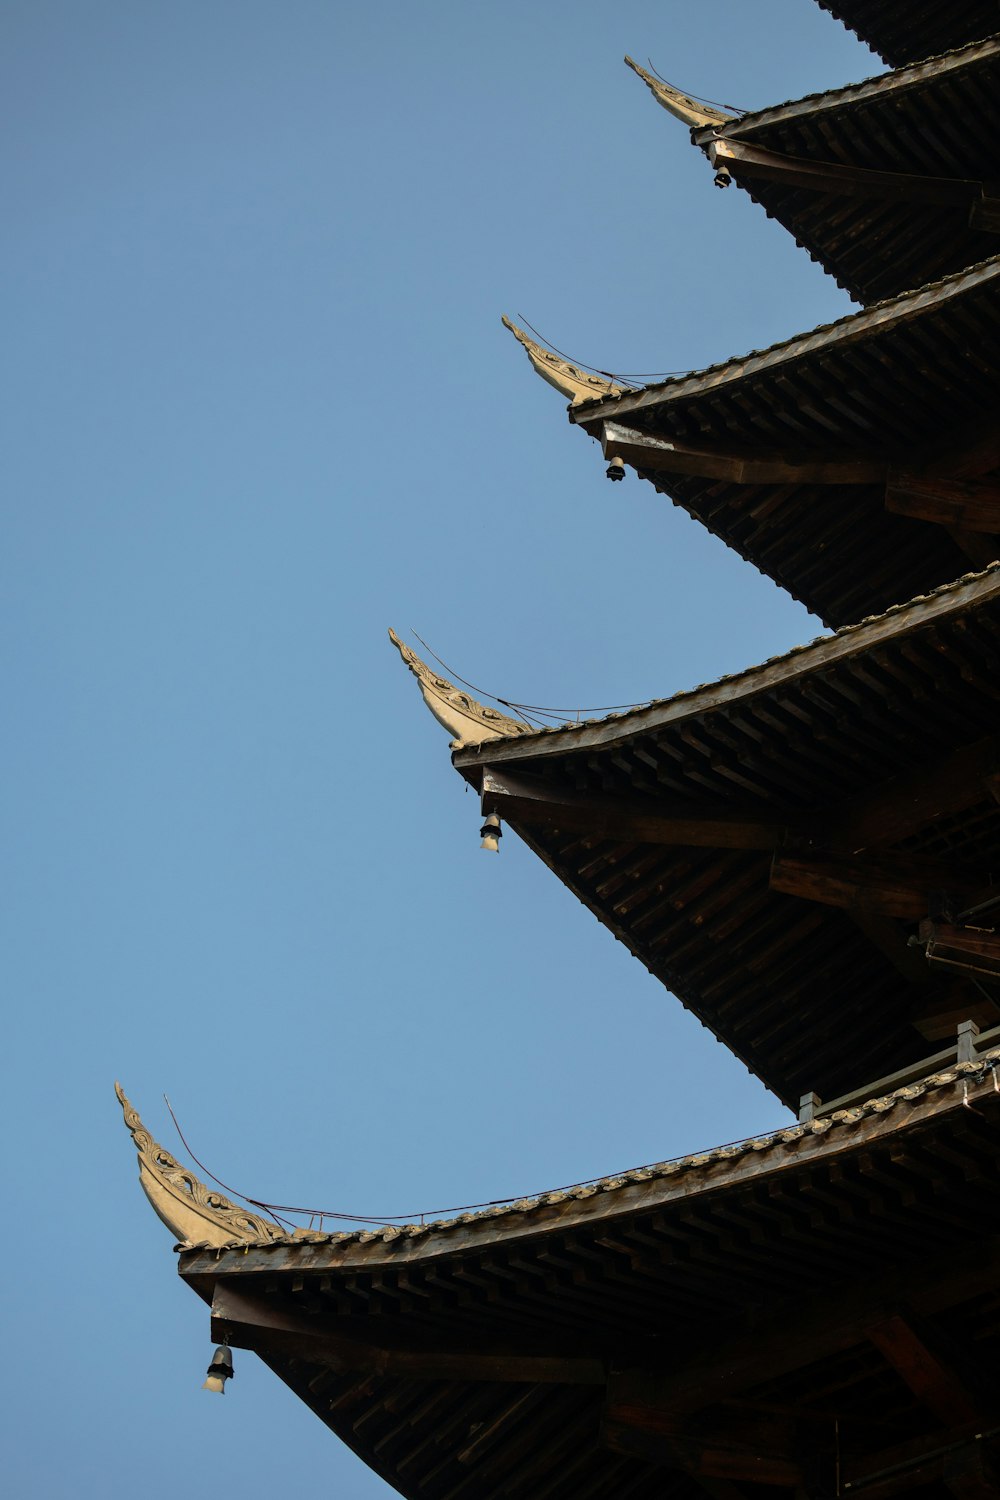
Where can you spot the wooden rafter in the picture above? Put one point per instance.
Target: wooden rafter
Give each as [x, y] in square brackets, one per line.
[906, 804]
[530, 800]
[884, 886]
[272, 1327]
[746, 160]
[969, 505]
[737, 466]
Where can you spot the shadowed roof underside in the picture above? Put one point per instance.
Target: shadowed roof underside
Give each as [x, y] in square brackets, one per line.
[903, 31]
[888, 184]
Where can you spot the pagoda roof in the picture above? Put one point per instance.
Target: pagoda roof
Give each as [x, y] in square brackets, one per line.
[854, 464]
[903, 31]
[881, 182]
[615, 1338]
[768, 845]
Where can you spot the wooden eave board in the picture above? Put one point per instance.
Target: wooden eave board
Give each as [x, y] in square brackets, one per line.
[899, 383]
[797, 989]
[904, 31]
[652, 1273]
[935, 120]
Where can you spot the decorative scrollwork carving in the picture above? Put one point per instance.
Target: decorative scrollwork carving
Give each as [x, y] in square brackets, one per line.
[193, 1212]
[569, 380]
[468, 721]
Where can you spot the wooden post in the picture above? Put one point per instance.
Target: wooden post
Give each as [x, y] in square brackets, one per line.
[808, 1105]
[967, 1033]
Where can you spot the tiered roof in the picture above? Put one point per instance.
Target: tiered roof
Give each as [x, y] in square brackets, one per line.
[806, 854]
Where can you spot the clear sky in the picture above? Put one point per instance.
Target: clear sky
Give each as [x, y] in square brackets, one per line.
[259, 406]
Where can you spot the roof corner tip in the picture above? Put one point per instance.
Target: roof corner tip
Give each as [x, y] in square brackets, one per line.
[568, 379]
[689, 111]
[466, 720]
[192, 1212]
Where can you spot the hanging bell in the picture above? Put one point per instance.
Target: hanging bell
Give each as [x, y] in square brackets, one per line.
[616, 468]
[491, 833]
[219, 1371]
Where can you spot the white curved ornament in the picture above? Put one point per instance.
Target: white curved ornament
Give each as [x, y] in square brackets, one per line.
[192, 1212]
[579, 385]
[468, 722]
[681, 106]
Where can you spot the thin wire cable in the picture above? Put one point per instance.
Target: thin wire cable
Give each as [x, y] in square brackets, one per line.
[699, 98]
[277, 1209]
[218, 1180]
[565, 715]
[608, 374]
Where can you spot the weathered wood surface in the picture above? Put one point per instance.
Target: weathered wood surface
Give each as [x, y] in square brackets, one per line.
[751, 466]
[271, 1327]
[531, 800]
[839, 178]
[881, 885]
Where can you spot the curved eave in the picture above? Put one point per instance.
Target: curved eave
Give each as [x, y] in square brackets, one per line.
[641, 1190]
[930, 70]
[973, 591]
[881, 318]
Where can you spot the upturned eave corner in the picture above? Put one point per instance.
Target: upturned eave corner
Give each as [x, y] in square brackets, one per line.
[569, 380]
[194, 1214]
[468, 722]
[691, 112]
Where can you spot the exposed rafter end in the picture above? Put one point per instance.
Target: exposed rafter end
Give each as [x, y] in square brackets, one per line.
[192, 1212]
[576, 384]
[689, 111]
[469, 722]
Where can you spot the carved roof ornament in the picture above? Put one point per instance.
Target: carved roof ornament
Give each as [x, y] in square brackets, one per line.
[192, 1212]
[577, 384]
[469, 722]
[690, 111]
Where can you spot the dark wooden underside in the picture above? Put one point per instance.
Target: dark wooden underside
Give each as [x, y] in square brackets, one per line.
[770, 855]
[880, 241]
[904, 31]
[915, 389]
[760, 1331]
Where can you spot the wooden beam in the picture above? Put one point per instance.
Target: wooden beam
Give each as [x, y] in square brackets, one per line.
[906, 804]
[789, 1334]
[881, 885]
[530, 800]
[748, 466]
[972, 950]
[716, 1457]
[955, 1457]
[271, 1327]
[934, 1383]
[939, 1016]
[973, 505]
[892, 941]
[745, 160]
[970, 452]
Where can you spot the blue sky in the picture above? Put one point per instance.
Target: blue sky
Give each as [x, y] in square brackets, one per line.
[260, 407]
